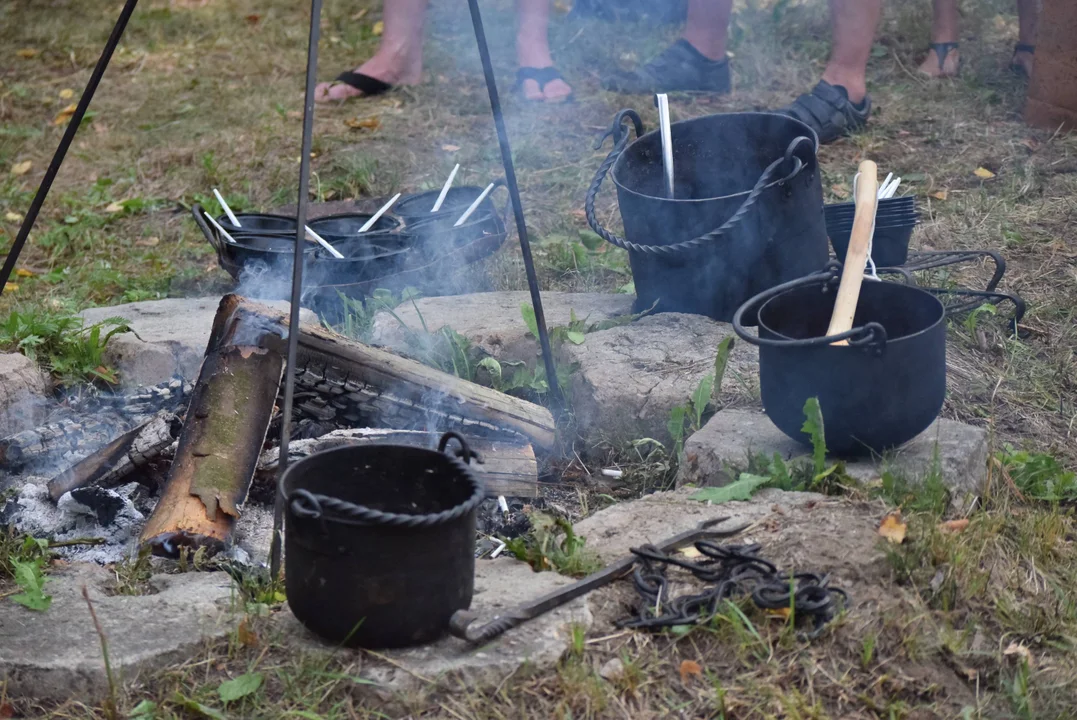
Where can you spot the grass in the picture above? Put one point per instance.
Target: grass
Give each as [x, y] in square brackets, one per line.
[201, 96]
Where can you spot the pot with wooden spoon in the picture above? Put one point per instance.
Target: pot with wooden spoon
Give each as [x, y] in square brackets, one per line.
[872, 352]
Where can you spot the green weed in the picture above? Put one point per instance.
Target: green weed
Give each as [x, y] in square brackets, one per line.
[551, 544]
[1039, 476]
[72, 351]
[24, 560]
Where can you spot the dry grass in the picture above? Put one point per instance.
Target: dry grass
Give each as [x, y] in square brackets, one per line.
[204, 94]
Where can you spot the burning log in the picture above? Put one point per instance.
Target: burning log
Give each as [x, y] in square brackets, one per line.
[222, 437]
[375, 388]
[508, 466]
[111, 465]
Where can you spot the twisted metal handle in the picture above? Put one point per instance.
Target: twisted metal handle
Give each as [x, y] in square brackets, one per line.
[462, 625]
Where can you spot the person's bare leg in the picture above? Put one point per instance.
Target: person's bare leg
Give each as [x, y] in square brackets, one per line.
[533, 49]
[1028, 15]
[707, 26]
[853, 24]
[399, 57]
[944, 29]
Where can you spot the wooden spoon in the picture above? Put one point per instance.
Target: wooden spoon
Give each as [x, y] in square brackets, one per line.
[852, 275]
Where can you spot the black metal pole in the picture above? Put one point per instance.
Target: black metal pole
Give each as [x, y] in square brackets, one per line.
[65, 142]
[517, 207]
[297, 280]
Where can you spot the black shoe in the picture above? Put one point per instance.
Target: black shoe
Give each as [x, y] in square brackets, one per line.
[828, 111]
[680, 68]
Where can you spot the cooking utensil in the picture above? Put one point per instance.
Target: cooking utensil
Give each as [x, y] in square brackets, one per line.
[867, 189]
[224, 206]
[667, 141]
[474, 206]
[381, 211]
[463, 622]
[380, 541]
[445, 189]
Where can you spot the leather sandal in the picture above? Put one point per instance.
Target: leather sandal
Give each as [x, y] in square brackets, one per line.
[1021, 47]
[828, 111]
[542, 77]
[943, 49]
[680, 68]
[369, 86]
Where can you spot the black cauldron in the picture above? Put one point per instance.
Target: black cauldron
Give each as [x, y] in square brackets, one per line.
[380, 542]
[747, 215]
[881, 390]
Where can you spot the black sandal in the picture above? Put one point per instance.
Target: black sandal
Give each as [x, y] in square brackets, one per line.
[365, 84]
[828, 111]
[541, 76]
[941, 51]
[1021, 47]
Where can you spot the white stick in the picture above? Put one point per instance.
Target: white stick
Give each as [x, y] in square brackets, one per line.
[445, 189]
[892, 190]
[227, 210]
[882, 187]
[381, 211]
[321, 241]
[220, 229]
[474, 206]
[667, 140]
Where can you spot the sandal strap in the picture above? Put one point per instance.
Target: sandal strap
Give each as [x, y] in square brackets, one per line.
[828, 111]
[942, 50]
[364, 83]
[542, 76]
[1024, 47]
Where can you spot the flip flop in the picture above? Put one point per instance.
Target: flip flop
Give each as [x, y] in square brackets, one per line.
[679, 68]
[941, 51]
[542, 77]
[369, 86]
[828, 111]
[1021, 47]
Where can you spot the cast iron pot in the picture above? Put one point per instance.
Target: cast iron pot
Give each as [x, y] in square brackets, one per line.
[380, 542]
[747, 212]
[881, 390]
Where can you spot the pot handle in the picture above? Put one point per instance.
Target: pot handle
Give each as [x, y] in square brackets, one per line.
[464, 452]
[871, 335]
[621, 141]
[200, 221]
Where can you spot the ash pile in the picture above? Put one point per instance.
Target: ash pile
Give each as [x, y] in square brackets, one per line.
[188, 466]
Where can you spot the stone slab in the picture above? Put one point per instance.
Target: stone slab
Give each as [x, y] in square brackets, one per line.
[56, 654]
[732, 436]
[23, 388]
[493, 320]
[630, 377]
[499, 584]
[172, 337]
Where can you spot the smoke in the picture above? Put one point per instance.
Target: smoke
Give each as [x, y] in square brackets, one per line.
[260, 280]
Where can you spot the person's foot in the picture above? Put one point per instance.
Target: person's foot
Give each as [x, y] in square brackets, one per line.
[679, 68]
[390, 68]
[1023, 59]
[828, 111]
[533, 51]
[943, 60]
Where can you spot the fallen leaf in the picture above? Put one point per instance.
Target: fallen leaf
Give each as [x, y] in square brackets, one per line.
[27, 53]
[370, 122]
[953, 526]
[688, 668]
[378, 28]
[892, 528]
[11, 287]
[245, 635]
[22, 168]
[64, 115]
[148, 242]
[782, 612]
[983, 173]
[1020, 650]
[67, 94]
[253, 18]
[940, 195]
[114, 207]
[839, 190]
[691, 552]
[23, 273]
[450, 148]
[12, 217]
[359, 15]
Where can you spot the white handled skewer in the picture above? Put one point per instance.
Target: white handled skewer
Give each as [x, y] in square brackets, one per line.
[474, 206]
[221, 230]
[227, 210]
[884, 184]
[667, 140]
[321, 241]
[445, 189]
[381, 211]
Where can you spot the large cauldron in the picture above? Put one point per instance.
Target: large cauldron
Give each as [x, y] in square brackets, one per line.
[881, 390]
[380, 542]
[747, 213]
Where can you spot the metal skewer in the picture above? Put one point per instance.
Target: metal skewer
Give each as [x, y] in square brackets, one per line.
[227, 210]
[381, 211]
[221, 230]
[445, 189]
[321, 241]
[474, 206]
[297, 281]
[667, 140]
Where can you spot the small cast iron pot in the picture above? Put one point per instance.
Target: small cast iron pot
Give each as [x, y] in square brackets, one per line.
[881, 390]
[380, 541]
